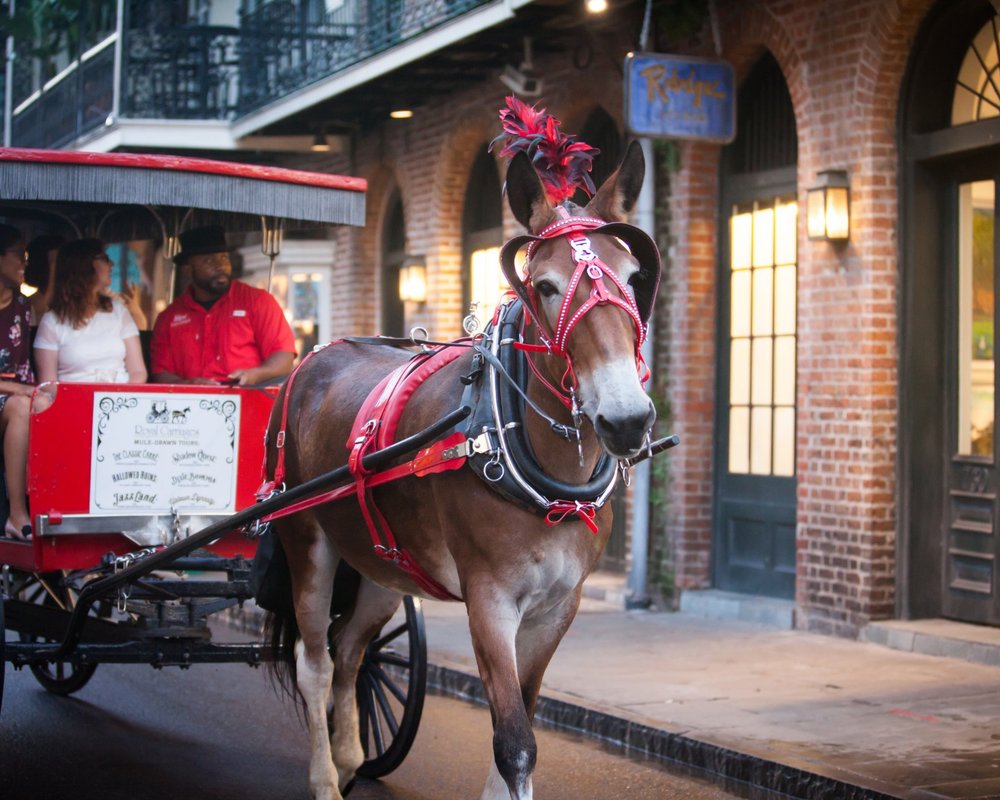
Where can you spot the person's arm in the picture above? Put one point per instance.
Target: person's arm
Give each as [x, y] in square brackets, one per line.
[47, 362]
[14, 388]
[130, 297]
[276, 365]
[173, 377]
[134, 364]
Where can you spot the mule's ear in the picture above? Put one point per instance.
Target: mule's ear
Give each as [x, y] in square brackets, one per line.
[525, 194]
[617, 195]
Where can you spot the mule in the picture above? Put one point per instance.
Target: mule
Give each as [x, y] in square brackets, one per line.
[519, 573]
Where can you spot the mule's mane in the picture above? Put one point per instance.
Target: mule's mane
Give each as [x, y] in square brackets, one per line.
[562, 164]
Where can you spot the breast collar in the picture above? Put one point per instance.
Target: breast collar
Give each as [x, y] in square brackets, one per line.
[500, 452]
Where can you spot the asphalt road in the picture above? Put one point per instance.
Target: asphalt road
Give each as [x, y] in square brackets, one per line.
[220, 732]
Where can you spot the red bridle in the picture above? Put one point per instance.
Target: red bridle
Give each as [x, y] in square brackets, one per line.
[587, 264]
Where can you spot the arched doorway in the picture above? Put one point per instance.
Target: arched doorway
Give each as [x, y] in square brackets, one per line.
[600, 131]
[393, 255]
[482, 234]
[949, 537]
[755, 485]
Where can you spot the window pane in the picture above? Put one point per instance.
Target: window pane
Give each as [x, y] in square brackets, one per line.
[976, 87]
[763, 237]
[784, 371]
[739, 311]
[784, 300]
[784, 441]
[763, 296]
[739, 440]
[760, 441]
[739, 372]
[487, 282]
[785, 233]
[762, 375]
[742, 239]
[976, 364]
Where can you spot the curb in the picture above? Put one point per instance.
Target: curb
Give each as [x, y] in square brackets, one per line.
[721, 765]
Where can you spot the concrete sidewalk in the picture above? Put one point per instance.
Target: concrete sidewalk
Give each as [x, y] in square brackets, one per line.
[807, 715]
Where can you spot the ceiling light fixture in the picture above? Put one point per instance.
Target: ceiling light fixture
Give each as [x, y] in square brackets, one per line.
[596, 6]
[320, 144]
[401, 113]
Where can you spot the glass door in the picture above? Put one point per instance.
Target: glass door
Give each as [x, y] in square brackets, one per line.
[755, 507]
[970, 536]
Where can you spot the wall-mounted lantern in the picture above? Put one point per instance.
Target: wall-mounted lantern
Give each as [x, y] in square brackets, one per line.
[413, 280]
[828, 207]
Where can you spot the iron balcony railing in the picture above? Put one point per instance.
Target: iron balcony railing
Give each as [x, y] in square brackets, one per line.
[211, 72]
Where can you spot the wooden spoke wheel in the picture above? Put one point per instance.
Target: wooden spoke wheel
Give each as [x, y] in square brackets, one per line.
[59, 677]
[390, 689]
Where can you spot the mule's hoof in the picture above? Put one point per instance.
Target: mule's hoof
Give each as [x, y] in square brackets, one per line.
[347, 789]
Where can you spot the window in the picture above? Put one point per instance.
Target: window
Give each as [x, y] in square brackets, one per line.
[762, 338]
[977, 88]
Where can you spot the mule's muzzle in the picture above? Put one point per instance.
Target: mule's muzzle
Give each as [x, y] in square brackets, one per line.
[625, 435]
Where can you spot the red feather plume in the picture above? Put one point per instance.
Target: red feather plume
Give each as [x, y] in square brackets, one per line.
[562, 164]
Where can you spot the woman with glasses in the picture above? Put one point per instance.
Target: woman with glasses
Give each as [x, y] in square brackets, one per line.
[16, 379]
[87, 336]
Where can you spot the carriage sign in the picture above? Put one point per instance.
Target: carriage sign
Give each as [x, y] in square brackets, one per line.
[158, 453]
[678, 97]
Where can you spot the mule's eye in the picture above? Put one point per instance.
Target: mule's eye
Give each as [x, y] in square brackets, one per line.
[546, 288]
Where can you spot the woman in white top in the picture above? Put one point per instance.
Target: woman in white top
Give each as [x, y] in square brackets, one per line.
[85, 335]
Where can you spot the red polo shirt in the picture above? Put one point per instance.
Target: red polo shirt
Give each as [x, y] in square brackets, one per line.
[239, 331]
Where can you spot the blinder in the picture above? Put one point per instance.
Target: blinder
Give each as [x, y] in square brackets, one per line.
[644, 284]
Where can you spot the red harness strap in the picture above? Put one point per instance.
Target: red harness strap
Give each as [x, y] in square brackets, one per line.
[375, 428]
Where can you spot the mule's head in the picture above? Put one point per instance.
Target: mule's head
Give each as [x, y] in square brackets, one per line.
[589, 280]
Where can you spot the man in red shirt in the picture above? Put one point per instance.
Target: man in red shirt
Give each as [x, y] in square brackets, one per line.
[220, 330]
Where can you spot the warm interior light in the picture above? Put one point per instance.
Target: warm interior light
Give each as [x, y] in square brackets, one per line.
[596, 6]
[28, 290]
[413, 281]
[320, 144]
[401, 113]
[828, 207]
[487, 281]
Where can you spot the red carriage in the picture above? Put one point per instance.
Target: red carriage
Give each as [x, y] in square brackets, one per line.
[142, 497]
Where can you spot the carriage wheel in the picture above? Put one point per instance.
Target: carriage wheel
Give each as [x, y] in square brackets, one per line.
[59, 677]
[390, 689]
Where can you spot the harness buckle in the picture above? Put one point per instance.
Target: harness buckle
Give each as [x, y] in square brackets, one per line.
[481, 444]
[388, 553]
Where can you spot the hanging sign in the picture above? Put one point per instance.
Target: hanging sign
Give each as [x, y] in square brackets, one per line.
[678, 97]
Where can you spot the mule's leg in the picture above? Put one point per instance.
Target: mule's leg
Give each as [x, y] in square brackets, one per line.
[313, 563]
[372, 609]
[493, 623]
[535, 642]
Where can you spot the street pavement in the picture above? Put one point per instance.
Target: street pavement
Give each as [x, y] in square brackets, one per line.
[807, 715]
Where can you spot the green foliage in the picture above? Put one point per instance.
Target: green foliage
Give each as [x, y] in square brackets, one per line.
[47, 27]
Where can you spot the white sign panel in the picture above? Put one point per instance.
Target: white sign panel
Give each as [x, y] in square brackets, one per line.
[157, 453]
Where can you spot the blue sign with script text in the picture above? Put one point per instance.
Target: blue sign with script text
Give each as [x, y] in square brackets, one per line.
[677, 97]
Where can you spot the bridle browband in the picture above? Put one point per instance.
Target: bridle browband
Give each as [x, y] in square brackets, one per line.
[587, 264]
